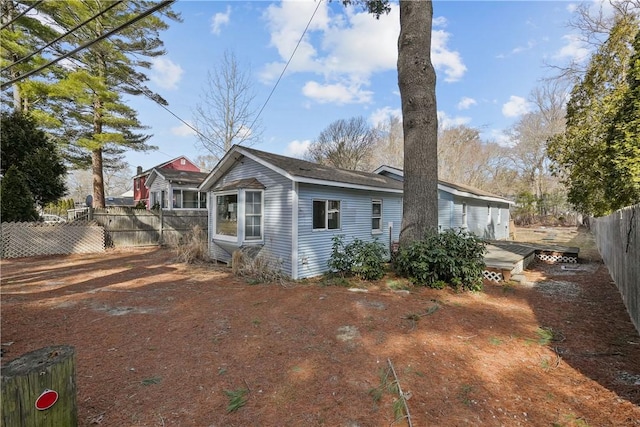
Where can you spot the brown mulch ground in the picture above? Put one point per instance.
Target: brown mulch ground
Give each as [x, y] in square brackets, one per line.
[159, 343]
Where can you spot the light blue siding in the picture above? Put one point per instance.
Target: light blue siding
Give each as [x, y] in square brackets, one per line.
[314, 246]
[445, 209]
[493, 227]
[277, 208]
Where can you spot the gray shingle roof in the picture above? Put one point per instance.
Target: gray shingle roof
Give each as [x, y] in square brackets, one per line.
[184, 177]
[304, 169]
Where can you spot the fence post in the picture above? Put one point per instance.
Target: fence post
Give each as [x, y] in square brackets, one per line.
[39, 389]
[161, 231]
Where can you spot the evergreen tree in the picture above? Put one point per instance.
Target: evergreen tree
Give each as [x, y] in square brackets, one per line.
[586, 155]
[87, 98]
[16, 201]
[28, 149]
[623, 142]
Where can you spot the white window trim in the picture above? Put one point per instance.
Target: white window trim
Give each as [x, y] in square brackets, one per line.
[499, 216]
[376, 230]
[244, 217]
[488, 214]
[240, 217]
[182, 190]
[326, 215]
[215, 217]
[465, 221]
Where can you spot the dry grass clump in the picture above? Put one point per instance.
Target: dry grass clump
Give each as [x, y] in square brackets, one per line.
[257, 265]
[192, 247]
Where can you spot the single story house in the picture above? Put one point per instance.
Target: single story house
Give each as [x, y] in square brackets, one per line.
[291, 209]
[175, 189]
[462, 207]
[140, 189]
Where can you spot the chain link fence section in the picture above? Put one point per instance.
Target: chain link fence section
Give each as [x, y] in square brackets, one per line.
[28, 239]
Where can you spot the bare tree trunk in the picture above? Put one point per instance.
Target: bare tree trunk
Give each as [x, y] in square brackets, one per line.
[98, 180]
[417, 83]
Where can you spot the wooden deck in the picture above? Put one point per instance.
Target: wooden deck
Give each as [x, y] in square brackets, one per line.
[504, 259]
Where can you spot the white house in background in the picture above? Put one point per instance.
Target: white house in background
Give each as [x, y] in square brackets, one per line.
[175, 189]
[462, 207]
[292, 208]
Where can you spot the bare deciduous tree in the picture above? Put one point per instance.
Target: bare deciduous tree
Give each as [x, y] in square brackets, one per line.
[593, 24]
[389, 146]
[225, 114]
[345, 144]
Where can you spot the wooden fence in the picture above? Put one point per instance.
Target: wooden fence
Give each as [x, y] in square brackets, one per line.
[109, 227]
[618, 240]
[126, 227]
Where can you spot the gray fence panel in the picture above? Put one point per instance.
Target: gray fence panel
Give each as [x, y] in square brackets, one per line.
[128, 227]
[618, 240]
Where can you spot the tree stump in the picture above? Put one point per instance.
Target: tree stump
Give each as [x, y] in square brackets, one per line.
[28, 377]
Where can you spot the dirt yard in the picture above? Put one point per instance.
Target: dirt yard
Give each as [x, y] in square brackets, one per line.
[165, 344]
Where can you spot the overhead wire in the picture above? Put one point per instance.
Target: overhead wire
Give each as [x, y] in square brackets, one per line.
[72, 30]
[88, 44]
[21, 14]
[287, 64]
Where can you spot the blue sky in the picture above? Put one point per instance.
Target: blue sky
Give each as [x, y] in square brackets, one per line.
[488, 57]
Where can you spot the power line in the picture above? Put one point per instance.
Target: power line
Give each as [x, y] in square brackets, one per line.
[189, 125]
[88, 44]
[287, 64]
[21, 14]
[114, 4]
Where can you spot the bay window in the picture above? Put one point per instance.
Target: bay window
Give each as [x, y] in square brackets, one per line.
[239, 215]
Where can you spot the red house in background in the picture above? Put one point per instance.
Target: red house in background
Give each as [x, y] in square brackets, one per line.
[141, 193]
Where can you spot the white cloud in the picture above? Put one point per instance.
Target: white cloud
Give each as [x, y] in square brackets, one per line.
[381, 115]
[183, 130]
[466, 103]
[446, 60]
[297, 148]
[518, 49]
[337, 93]
[516, 106]
[346, 48]
[220, 19]
[574, 49]
[445, 122]
[165, 73]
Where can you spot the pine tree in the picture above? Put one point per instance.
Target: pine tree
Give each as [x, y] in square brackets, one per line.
[586, 155]
[88, 96]
[16, 201]
[30, 150]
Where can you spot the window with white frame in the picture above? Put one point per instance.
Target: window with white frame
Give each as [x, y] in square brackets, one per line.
[238, 211]
[188, 199]
[488, 214]
[376, 216]
[499, 215]
[227, 215]
[326, 214]
[464, 215]
[253, 215]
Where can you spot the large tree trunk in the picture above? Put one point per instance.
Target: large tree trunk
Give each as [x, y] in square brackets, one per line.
[417, 82]
[98, 178]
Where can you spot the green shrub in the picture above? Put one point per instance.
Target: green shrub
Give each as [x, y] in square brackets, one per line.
[359, 258]
[454, 257]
